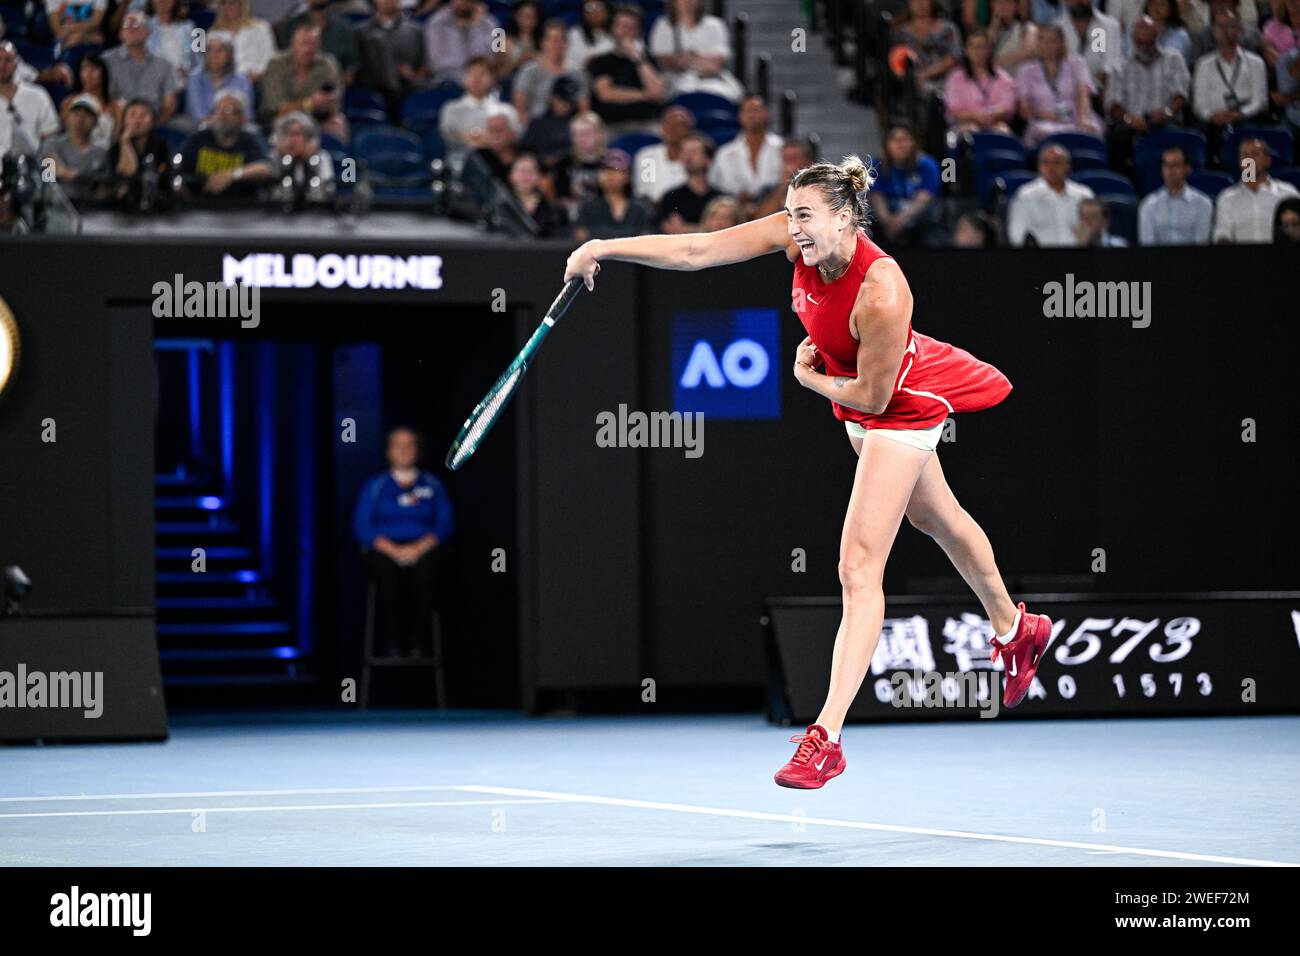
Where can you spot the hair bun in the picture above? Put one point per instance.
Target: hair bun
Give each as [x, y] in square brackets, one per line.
[860, 176]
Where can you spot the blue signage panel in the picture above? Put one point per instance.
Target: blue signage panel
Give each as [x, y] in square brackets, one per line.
[726, 364]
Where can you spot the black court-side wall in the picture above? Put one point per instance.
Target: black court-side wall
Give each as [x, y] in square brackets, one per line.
[642, 563]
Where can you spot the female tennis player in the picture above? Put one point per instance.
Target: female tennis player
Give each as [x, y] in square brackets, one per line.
[893, 388]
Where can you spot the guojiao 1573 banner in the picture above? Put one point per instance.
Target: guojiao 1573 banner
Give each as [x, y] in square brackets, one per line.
[1110, 655]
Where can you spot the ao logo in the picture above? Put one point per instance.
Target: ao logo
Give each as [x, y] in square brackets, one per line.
[744, 364]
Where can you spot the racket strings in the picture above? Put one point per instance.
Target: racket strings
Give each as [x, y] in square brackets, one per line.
[487, 415]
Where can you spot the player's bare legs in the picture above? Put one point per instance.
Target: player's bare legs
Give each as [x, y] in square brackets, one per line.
[887, 472]
[935, 511]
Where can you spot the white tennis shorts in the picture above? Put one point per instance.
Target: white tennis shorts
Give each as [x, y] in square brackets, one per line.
[927, 439]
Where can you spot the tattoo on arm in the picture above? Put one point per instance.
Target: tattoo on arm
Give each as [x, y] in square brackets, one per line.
[839, 381]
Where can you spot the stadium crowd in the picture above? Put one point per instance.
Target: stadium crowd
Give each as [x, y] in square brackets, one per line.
[590, 119]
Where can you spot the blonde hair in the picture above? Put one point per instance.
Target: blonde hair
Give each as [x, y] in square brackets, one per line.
[842, 185]
[234, 26]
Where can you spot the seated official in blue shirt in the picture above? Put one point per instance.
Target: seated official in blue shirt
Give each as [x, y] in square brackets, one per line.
[904, 198]
[402, 522]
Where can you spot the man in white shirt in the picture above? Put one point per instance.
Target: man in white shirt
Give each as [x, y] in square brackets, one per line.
[1229, 85]
[27, 113]
[1244, 212]
[751, 163]
[1176, 215]
[658, 167]
[1094, 36]
[1047, 209]
[463, 121]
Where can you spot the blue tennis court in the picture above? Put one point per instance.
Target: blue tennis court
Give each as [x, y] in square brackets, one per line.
[481, 788]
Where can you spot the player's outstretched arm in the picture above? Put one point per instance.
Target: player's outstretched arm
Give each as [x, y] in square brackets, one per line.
[688, 252]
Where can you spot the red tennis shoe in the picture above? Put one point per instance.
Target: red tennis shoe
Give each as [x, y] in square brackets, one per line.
[816, 761]
[1022, 654]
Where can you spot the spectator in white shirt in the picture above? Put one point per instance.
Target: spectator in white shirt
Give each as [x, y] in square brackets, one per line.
[463, 121]
[590, 38]
[1094, 36]
[252, 37]
[694, 50]
[658, 167]
[1147, 92]
[1230, 85]
[27, 113]
[750, 164]
[1177, 214]
[1244, 212]
[1046, 211]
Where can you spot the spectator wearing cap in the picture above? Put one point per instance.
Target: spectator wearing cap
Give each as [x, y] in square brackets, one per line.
[626, 87]
[139, 149]
[1045, 212]
[27, 113]
[1244, 212]
[463, 121]
[694, 49]
[218, 73]
[459, 32]
[254, 42]
[77, 160]
[547, 135]
[682, 209]
[1146, 93]
[136, 74]
[501, 147]
[525, 180]
[1093, 230]
[536, 78]
[393, 56]
[590, 37]
[795, 155]
[224, 155]
[658, 167]
[1176, 214]
[306, 78]
[92, 78]
[750, 164]
[614, 211]
[1229, 85]
[576, 176]
[338, 38]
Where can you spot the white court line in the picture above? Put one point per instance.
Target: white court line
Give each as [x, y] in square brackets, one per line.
[309, 791]
[271, 809]
[858, 825]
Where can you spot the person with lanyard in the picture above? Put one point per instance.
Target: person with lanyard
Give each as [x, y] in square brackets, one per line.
[1229, 86]
[978, 96]
[1056, 91]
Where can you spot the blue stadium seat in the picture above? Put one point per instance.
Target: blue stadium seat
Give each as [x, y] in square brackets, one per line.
[1123, 217]
[1076, 141]
[175, 138]
[706, 103]
[991, 165]
[1105, 183]
[36, 55]
[385, 139]
[1000, 142]
[631, 142]
[420, 110]
[15, 21]
[721, 135]
[1150, 148]
[434, 147]
[1012, 179]
[1288, 174]
[363, 108]
[1082, 159]
[1280, 143]
[1149, 179]
[331, 143]
[1210, 181]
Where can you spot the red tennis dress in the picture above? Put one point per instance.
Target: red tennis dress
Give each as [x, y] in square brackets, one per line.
[934, 380]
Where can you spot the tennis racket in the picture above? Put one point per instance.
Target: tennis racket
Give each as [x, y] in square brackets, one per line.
[486, 412]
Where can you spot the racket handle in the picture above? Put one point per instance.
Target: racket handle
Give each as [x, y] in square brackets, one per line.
[564, 300]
